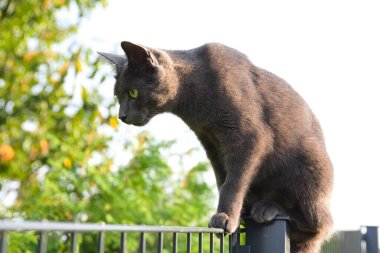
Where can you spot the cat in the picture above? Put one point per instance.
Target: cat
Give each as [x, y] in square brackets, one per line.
[264, 143]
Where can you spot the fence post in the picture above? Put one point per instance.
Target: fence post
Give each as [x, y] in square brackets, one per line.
[269, 237]
[3, 242]
[371, 239]
[42, 242]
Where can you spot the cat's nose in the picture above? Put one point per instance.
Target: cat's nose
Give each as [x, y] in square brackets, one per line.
[123, 118]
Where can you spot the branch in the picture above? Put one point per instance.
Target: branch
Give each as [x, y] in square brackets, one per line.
[5, 9]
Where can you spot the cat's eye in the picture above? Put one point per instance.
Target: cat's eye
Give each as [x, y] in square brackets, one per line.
[133, 93]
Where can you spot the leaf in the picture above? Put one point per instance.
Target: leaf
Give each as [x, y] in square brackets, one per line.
[67, 162]
[113, 122]
[79, 67]
[7, 153]
[65, 168]
[44, 147]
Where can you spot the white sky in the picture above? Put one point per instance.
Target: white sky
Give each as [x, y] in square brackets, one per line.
[329, 51]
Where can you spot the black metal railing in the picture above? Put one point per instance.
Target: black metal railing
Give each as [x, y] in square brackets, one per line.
[365, 240]
[252, 238]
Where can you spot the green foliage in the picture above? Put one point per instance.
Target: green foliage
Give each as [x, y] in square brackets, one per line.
[33, 99]
[142, 192]
[50, 135]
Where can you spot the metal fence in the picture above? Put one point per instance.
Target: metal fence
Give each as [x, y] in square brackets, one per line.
[365, 240]
[252, 238]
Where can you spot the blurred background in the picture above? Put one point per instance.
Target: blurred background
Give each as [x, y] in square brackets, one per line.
[64, 156]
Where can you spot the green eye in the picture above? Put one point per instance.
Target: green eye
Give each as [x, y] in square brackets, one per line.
[133, 93]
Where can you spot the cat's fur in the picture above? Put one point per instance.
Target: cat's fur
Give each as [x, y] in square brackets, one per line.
[263, 141]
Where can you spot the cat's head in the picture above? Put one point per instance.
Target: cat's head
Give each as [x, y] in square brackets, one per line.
[142, 87]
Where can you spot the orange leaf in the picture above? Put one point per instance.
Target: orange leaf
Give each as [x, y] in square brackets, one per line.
[6, 153]
[33, 153]
[44, 147]
[47, 3]
[29, 56]
[63, 69]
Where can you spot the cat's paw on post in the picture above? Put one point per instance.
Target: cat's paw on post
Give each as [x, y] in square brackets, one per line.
[265, 211]
[222, 220]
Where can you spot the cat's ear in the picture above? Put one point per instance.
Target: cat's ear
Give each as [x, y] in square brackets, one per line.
[138, 56]
[117, 61]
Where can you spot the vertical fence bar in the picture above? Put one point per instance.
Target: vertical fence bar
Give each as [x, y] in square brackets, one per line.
[3, 242]
[211, 242]
[160, 242]
[235, 242]
[175, 242]
[221, 250]
[188, 243]
[101, 242]
[42, 242]
[74, 242]
[123, 242]
[230, 243]
[237, 246]
[200, 243]
[372, 240]
[261, 237]
[142, 243]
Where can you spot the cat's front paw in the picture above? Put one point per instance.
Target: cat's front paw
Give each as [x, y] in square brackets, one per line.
[222, 220]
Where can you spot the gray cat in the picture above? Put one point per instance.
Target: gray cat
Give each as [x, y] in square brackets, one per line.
[264, 143]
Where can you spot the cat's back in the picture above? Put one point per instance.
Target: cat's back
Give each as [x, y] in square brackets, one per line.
[222, 58]
[283, 109]
[227, 74]
[214, 55]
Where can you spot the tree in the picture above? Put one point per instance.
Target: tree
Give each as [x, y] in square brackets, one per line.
[35, 126]
[51, 143]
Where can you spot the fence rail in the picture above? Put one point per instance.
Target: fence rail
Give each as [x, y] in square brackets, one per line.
[42, 228]
[6, 225]
[257, 237]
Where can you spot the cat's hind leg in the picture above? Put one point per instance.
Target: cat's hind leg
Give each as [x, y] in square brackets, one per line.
[265, 211]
